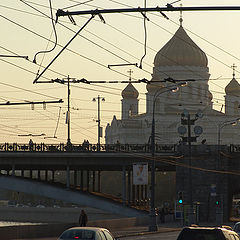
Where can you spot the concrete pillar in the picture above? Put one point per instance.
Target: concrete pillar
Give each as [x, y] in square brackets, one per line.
[99, 181]
[133, 195]
[22, 173]
[39, 174]
[93, 182]
[53, 175]
[81, 180]
[46, 175]
[13, 169]
[88, 180]
[129, 187]
[146, 192]
[137, 195]
[68, 177]
[142, 197]
[75, 178]
[124, 187]
[30, 174]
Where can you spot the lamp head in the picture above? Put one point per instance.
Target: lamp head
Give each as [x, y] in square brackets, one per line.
[183, 84]
[175, 89]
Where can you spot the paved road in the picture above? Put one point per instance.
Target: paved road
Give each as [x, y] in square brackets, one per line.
[156, 236]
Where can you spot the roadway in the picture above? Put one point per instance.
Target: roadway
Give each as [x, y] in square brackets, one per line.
[139, 233]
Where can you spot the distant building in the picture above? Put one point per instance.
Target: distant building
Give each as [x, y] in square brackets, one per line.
[180, 59]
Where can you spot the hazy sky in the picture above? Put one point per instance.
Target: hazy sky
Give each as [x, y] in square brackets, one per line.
[26, 31]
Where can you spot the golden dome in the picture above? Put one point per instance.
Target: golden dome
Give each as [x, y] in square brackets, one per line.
[233, 88]
[130, 92]
[180, 50]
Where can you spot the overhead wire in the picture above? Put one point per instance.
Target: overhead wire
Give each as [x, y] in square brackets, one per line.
[75, 5]
[145, 35]
[54, 30]
[75, 1]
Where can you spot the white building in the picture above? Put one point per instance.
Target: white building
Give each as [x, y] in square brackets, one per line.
[180, 59]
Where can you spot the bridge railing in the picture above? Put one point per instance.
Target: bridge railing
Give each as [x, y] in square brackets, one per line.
[61, 147]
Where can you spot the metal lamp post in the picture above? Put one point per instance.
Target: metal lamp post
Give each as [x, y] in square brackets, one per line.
[153, 221]
[219, 207]
[98, 120]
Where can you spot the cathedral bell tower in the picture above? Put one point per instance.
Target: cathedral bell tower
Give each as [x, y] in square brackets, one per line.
[232, 97]
[129, 101]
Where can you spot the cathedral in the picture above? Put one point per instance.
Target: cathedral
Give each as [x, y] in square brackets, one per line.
[179, 59]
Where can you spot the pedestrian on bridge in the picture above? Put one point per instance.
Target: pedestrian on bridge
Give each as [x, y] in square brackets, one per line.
[83, 219]
[30, 145]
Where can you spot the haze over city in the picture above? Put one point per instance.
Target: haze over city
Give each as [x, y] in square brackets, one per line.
[27, 28]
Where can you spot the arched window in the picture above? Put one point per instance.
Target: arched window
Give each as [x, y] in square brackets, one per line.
[130, 111]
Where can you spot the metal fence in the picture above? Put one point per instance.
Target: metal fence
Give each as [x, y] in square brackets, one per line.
[61, 147]
[234, 148]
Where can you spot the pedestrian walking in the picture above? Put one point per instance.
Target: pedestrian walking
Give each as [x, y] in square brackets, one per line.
[83, 219]
[30, 145]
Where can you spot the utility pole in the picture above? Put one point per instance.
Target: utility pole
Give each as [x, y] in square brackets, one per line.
[67, 81]
[68, 115]
[188, 121]
[98, 121]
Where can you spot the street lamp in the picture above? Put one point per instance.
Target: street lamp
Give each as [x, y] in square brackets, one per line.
[153, 222]
[219, 206]
[98, 120]
[221, 125]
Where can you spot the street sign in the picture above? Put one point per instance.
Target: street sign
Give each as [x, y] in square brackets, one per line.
[140, 174]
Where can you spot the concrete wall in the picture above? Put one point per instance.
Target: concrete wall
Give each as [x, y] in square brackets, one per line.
[54, 230]
[51, 215]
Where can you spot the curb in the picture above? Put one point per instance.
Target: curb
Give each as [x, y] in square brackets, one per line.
[146, 233]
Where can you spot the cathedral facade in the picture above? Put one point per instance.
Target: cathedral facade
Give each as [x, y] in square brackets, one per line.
[179, 59]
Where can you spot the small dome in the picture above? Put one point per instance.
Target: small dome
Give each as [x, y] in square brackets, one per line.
[130, 92]
[180, 50]
[233, 88]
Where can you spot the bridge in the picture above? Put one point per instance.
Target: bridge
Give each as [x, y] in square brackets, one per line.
[22, 167]
[35, 168]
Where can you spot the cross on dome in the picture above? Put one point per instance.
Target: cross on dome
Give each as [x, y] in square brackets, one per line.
[130, 74]
[181, 18]
[234, 68]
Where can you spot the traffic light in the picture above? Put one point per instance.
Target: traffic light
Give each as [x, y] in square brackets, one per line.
[180, 197]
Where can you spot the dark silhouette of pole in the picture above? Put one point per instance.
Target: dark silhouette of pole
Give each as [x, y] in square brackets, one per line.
[68, 114]
[219, 197]
[190, 169]
[99, 120]
[153, 221]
